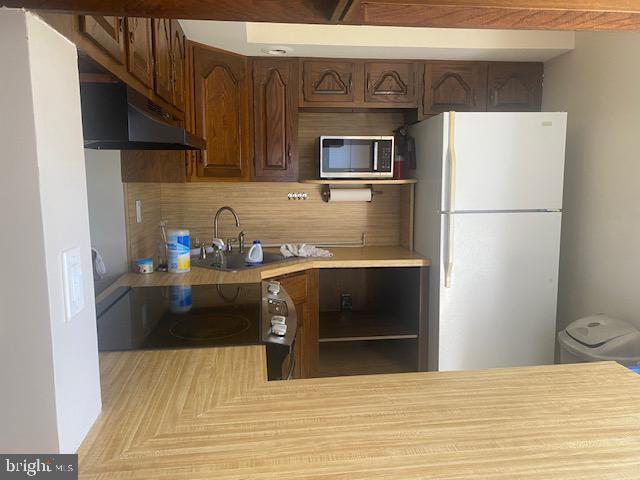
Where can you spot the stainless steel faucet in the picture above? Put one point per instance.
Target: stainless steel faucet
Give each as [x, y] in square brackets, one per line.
[215, 220]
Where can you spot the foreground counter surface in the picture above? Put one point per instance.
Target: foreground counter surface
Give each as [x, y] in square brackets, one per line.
[210, 413]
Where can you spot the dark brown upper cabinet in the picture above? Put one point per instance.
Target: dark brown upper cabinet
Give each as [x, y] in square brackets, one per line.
[162, 55]
[140, 51]
[178, 63]
[107, 33]
[221, 109]
[515, 87]
[328, 82]
[390, 84]
[275, 119]
[459, 86]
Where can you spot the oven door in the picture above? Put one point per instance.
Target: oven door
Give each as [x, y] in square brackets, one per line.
[278, 307]
[281, 362]
[356, 157]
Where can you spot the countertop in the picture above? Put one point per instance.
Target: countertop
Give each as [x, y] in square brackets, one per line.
[210, 413]
[343, 257]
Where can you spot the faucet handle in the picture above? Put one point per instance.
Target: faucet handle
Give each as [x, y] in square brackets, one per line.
[230, 242]
[241, 236]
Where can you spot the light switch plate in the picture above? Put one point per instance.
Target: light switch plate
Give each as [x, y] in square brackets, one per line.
[73, 282]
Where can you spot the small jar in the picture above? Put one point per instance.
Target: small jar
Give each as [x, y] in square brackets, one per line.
[144, 265]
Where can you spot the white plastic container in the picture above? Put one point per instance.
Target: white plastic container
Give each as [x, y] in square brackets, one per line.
[178, 251]
[255, 254]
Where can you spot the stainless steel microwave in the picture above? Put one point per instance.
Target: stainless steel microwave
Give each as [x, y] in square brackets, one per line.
[356, 157]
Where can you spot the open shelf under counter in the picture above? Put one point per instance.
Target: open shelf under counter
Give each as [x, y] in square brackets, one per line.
[351, 326]
[367, 358]
[325, 181]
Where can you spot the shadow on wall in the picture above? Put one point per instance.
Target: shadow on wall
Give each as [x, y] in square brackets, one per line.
[106, 213]
[597, 84]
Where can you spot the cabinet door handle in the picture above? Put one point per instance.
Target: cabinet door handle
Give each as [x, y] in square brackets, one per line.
[289, 151]
[350, 84]
[120, 24]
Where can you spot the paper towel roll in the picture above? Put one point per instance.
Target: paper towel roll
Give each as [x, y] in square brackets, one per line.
[349, 194]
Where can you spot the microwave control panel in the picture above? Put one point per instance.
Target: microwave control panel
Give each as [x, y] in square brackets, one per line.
[385, 156]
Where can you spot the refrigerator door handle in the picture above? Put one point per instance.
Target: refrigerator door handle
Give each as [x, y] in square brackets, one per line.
[453, 161]
[448, 267]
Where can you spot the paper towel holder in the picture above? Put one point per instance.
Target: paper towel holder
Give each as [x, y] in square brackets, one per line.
[326, 191]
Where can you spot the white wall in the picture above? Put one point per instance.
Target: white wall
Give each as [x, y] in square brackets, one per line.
[49, 367]
[599, 85]
[106, 212]
[371, 41]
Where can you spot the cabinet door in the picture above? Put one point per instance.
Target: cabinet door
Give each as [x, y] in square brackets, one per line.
[178, 58]
[162, 56]
[328, 82]
[515, 87]
[275, 119]
[140, 52]
[107, 33]
[303, 290]
[221, 109]
[391, 84]
[458, 86]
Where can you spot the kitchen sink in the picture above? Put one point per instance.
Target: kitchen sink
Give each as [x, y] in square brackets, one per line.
[235, 262]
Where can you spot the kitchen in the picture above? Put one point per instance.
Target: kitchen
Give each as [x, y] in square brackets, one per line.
[369, 308]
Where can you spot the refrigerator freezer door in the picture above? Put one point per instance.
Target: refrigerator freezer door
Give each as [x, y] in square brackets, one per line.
[500, 308]
[507, 161]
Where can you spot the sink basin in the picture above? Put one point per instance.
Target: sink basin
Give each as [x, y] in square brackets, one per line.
[235, 262]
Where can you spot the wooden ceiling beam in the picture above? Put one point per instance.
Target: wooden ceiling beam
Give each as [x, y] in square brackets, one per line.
[508, 14]
[504, 14]
[284, 11]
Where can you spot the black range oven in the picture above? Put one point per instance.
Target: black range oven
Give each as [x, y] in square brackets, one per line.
[202, 316]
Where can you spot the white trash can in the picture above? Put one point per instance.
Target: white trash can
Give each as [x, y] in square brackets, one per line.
[600, 338]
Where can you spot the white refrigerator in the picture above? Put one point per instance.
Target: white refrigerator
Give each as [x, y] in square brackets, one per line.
[488, 209]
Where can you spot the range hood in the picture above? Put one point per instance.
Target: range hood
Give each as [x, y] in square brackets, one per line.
[116, 117]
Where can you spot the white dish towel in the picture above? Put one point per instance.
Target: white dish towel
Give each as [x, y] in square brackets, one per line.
[303, 250]
[99, 268]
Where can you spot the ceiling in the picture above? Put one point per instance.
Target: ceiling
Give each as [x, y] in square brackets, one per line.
[348, 41]
[503, 14]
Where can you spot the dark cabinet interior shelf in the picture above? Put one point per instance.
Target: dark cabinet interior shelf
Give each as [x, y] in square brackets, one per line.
[349, 326]
[367, 358]
[371, 321]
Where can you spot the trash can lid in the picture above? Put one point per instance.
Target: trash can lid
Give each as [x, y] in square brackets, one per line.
[596, 330]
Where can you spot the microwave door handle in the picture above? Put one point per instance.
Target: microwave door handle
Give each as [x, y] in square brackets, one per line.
[375, 156]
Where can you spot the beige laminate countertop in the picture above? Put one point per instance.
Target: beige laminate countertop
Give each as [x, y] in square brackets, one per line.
[343, 257]
[211, 414]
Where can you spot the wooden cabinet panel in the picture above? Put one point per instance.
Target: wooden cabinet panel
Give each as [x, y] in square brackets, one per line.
[107, 33]
[304, 291]
[390, 83]
[221, 106]
[328, 82]
[275, 119]
[140, 52]
[515, 87]
[163, 61]
[178, 64]
[459, 86]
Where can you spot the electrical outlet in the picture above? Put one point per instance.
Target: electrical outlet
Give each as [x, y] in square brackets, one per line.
[346, 302]
[138, 211]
